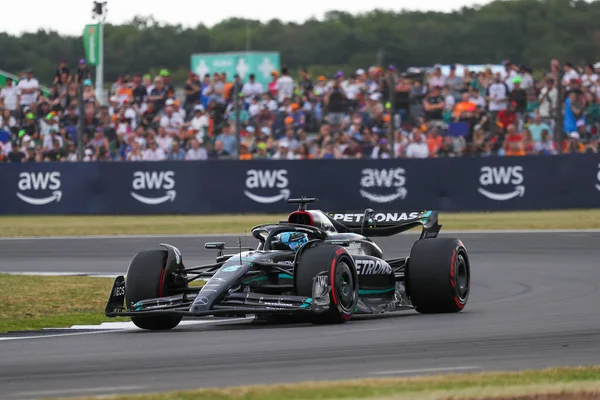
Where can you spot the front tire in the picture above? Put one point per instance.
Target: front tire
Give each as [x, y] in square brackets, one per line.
[343, 280]
[438, 276]
[147, 279]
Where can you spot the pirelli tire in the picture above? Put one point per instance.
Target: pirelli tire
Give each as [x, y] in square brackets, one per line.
[438, 278]
[147, 278]
[333, 260]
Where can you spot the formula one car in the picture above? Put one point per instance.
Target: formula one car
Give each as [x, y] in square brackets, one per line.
[315, 266]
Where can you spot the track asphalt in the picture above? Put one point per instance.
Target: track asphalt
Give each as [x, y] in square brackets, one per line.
[535, 302]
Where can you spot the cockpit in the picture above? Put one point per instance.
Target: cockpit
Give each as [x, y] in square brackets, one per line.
[288, 237]
[290, 241]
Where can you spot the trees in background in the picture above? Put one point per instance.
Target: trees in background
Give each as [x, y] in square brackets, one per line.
[524, 31]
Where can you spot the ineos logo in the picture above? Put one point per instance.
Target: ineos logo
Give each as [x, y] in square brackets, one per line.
[392, 178]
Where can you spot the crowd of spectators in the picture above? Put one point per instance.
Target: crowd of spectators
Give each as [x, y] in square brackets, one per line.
[428, 114]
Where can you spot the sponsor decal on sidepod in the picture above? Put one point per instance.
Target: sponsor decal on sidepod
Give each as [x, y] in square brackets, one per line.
[37, 182]
[163, 180]
[257, 179]
[372, 267]
[494, 176]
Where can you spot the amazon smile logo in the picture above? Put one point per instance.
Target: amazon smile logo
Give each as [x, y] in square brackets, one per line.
[39, 188]
[506, 182]
[598, 178]
[276, 179]
[161, 184]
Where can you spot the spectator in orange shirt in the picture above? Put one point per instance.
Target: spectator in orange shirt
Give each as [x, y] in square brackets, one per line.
[124, 91]
[573, 145]
[465, 109]
[228, 85]
[244, 153]
[434, 141]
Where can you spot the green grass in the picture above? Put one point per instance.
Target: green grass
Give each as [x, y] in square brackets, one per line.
[36, 302]
[572, 382]
[198, 224]
[52, 302]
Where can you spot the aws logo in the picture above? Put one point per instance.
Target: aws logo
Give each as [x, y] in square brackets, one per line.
[263, 180]
[501, 177]
[33, 184]
[160, 184]
[392, 180]
[598, 178]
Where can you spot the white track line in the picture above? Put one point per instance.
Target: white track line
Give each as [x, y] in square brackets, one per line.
[86, 274]
[106, 326]
[117, 327]
[110, 326]
[423, 370]
[213, 235]
[46, 393]
[57, 335]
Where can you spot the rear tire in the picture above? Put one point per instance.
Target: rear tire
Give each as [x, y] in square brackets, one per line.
[343, 280]
[146, 280]
[438, 276]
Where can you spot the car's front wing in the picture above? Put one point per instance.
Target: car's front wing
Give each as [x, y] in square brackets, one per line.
[234, 304]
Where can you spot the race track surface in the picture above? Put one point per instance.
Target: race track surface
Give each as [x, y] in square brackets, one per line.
[534, 303]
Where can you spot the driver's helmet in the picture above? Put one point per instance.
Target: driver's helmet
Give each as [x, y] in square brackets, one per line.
[293, 240]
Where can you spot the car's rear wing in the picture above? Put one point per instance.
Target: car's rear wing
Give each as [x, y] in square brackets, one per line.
[385, 223]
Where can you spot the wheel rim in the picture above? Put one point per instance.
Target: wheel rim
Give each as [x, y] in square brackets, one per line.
[344, 287]
[461, 276]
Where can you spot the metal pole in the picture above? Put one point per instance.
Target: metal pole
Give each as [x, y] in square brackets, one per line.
[248, 37]
[380, 56]
[392, 102]
[80, 124]
[100, 66]
[237, 116]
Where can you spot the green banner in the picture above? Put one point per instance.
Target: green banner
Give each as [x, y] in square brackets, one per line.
[261, 64]
[4, 75]
[91, 43]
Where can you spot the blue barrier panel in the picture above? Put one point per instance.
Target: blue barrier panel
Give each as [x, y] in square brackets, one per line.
[501, 183]
[44, 188]
[209, 187]
[151, 188]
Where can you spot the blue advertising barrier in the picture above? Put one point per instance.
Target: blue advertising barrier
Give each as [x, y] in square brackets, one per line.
[262, 186]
